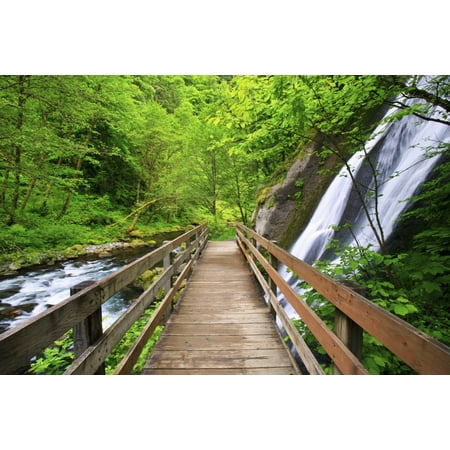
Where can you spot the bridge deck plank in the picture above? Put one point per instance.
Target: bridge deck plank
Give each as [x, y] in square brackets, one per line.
[221, 324]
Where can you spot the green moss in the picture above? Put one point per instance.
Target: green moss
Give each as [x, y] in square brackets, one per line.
[136, 234]
[137, 243]
[262, 196]
[148, 277]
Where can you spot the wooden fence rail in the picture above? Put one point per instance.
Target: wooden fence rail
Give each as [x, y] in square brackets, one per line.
[421, 352]
[81, 312]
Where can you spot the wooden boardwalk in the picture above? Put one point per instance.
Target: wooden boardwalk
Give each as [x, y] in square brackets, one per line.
[221, 325]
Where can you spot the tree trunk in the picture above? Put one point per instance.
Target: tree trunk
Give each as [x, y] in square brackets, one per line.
[375, 224]
[48, 187]
[30, 189]
[214, 182]
[4, 189]
[137, 211]
[17, 152]
[71, 190]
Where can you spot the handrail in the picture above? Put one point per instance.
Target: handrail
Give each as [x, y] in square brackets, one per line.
[421, 352]
[21, 343]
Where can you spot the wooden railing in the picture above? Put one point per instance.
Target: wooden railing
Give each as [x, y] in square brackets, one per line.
[354, 313]
[82, 312]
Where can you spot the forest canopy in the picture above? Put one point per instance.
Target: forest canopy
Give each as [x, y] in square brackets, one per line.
[86, 151]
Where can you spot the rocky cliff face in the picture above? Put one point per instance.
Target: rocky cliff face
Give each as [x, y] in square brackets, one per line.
[287, 206]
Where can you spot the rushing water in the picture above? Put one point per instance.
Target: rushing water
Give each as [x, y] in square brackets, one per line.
[30, 293]
[398, 152]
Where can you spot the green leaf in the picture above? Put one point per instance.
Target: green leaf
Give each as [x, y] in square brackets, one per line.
[401, 310]
[379, 361]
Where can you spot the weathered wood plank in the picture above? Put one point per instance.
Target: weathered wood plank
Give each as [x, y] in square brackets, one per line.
[239, 371]
[224, 301]
[220, 329]
[212, 307]
[249, 317]
[26, 340]
[221, 342]
[221, 325]
[86, 332]
[217, 359]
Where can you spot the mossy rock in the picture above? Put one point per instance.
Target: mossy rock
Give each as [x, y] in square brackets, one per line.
[14, 266]
[73, 252]
[263, 195]
[146, 279]
[137, 243]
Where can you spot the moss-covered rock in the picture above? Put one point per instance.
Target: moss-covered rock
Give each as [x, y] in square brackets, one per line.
[148, 277]
[287, 206]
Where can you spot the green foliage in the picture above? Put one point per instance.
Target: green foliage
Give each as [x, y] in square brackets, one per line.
[49, 236]
[57, 358]
[395, 283]
[221, 231]
[128, 340]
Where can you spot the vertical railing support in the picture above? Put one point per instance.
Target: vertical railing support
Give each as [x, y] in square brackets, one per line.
[168, 285]
[197, 241]
[89, 330]
[273, 286]
[348, 331]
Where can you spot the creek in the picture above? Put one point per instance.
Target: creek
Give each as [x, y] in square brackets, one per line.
[34, 290]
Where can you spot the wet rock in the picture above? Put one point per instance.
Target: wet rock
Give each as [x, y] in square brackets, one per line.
[10, 313]
[9, 292]
[14, 267]
[284, 209]
[28, 307]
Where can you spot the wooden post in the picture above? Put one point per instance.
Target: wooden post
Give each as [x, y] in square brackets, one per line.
[254, 243]
[197, 242]
[89, 330]
[348, 331]
[273, 286]
[168, 285]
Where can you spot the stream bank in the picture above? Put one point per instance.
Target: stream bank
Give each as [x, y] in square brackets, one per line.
[31, 290]
[27, 261]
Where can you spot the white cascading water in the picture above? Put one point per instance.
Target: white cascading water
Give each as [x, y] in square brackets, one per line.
[397, 149]
[33, 292]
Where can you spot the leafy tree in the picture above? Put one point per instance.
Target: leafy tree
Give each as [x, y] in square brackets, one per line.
[434, 91]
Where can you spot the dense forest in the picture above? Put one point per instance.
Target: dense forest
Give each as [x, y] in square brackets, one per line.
[82, 152]
[91, 159]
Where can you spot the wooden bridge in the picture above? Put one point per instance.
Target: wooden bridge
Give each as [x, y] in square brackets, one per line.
[222, 325]
[220, 322]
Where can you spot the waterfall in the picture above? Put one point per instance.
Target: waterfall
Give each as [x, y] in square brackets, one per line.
[397, 150]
